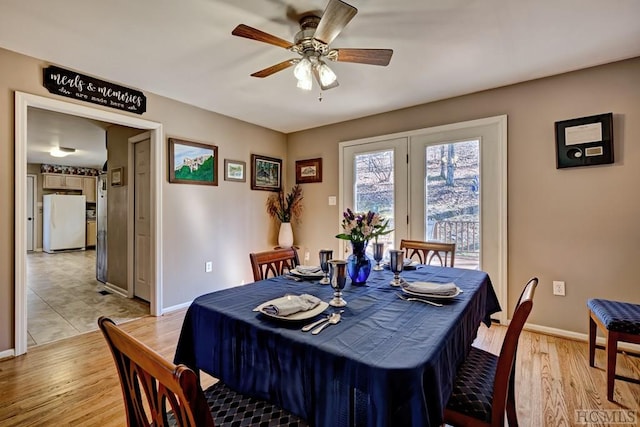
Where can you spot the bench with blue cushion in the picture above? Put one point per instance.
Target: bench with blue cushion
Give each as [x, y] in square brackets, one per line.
[619, 321]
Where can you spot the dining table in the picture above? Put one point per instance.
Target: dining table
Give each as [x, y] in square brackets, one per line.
[388, 362]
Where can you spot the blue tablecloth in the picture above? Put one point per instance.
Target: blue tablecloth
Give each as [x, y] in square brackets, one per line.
[389, 362]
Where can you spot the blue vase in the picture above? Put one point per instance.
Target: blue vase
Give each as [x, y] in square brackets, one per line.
[358, 263]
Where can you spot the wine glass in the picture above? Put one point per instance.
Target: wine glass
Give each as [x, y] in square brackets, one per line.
[378, 253]
[338, 269]
[325, 257]
[396, 263]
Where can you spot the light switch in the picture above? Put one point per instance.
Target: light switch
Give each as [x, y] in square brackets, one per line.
[332, 200]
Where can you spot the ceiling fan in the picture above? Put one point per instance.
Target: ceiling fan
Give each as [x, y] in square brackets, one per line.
[312, 44]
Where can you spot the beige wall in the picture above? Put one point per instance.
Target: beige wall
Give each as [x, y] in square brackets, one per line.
[579, 225]
[200, 223]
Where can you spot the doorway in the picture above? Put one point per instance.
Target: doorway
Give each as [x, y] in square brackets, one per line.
[393, 174]
[23, 102]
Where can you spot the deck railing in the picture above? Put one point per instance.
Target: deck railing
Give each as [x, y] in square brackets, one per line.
[465, 234]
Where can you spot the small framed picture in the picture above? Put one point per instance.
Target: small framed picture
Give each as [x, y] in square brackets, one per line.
[266, 173]
[192, 163]
[234, 170]
[308, 171]
[117, 177]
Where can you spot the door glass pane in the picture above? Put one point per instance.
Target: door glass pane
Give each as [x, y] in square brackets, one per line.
[453, 199]
[374, 187]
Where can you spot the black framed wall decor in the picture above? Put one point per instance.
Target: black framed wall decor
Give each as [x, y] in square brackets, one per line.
[585, 141]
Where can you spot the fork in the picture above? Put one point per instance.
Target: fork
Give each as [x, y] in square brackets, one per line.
[403, 297]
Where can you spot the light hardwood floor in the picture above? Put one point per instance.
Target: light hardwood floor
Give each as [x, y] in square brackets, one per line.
[73, 382]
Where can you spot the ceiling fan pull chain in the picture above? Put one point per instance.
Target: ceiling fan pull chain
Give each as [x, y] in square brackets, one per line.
[320, 97]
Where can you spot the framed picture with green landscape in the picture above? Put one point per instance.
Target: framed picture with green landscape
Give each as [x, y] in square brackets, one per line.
[192, 162]
[266, 173]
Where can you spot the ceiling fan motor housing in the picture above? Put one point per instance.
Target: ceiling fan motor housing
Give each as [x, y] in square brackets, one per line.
[304, 43]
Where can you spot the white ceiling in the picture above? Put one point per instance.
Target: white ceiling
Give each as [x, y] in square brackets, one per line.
[48, 129]
[442, 48]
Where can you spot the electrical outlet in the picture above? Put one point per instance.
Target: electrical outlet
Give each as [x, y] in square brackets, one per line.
[558, 288]
[307, 256]
[208, 267]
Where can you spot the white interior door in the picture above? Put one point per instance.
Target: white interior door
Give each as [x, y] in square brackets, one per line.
[375, 178]
[31, 212]
[142, 219]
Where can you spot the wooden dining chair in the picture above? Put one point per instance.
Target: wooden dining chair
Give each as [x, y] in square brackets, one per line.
[158, 393]
[274, 263]
[484, 386]
[426, 251]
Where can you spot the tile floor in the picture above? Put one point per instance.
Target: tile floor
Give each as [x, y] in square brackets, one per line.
[64, 298]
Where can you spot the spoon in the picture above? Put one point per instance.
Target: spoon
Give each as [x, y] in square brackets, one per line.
[310, 326]
[333, 319]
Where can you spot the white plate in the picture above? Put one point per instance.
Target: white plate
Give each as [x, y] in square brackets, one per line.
[406, 264]
[307, 274]
[418, 294]
[301, 315]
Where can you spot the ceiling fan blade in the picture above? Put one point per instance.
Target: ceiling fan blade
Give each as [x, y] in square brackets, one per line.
[362, 56]
[274, 68]
[335, 17]
[255, 34]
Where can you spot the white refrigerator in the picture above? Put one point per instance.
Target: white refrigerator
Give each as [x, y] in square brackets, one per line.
[63, 222]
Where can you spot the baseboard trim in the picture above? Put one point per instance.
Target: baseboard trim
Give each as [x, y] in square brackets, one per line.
[576, 336]
[177, 307]
[7, 354]
[115, 289]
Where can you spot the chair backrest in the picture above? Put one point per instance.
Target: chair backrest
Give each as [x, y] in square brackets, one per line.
[505, 372]
[427, 251]
[148, 380]
[275, 262]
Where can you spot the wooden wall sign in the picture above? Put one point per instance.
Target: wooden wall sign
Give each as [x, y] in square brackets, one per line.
[78, 86]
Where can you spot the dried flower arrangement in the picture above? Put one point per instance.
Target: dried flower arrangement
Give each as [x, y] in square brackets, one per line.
[287, 207]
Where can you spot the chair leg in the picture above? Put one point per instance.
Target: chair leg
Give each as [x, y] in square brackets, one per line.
[612, 353]
[592, 340]
[512, 416]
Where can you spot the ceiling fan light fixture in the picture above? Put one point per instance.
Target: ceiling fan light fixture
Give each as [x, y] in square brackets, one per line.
[305, 84]
[61, 151]
[302, 70]
[326, 74]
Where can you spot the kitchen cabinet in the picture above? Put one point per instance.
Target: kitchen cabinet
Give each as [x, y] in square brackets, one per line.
[58, 181]
[89, 188]
[91, 233]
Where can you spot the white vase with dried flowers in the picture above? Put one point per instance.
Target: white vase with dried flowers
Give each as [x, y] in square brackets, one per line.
[286, 208]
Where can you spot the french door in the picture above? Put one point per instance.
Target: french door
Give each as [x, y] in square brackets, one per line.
[376, 179]
[445, 183]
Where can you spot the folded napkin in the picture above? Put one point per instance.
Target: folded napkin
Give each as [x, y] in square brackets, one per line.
[290, 304]
[308, 269]
[430, 288]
